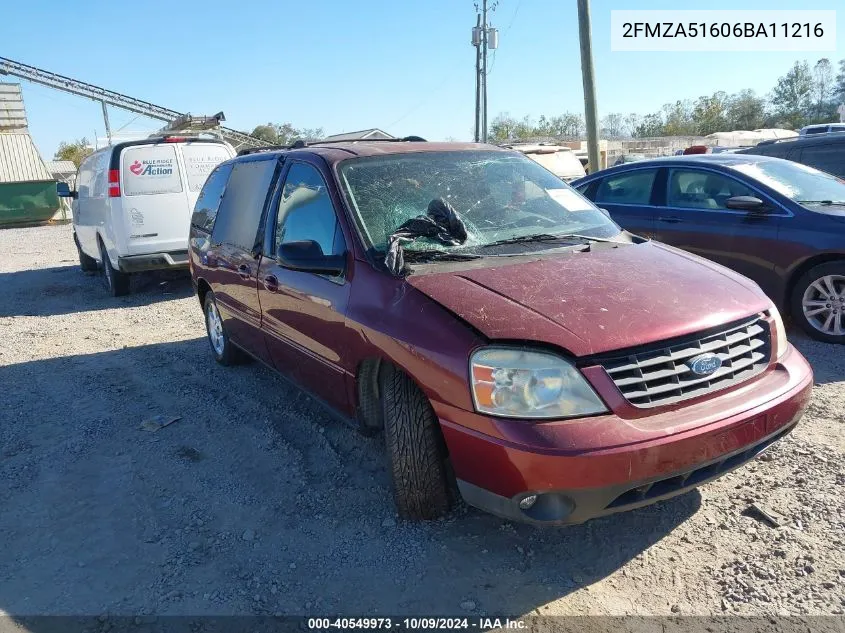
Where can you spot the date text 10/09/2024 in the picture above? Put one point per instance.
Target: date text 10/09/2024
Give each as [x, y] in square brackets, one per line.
[722, 30]
[416, 624]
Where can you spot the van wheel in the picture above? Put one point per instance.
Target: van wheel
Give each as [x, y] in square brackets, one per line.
[87, 264]
[415, 448]
[224, 351]
[818, 302]
[117, 283]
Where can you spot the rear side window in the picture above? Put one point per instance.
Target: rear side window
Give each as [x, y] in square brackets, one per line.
[829, 158]
[150, 170]
[243, 203]
[208, 202]
[629, 188]
[200, 159]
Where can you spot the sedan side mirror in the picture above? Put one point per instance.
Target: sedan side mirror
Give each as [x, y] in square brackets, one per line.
[307, 256]
[63, 191]
[745, 203]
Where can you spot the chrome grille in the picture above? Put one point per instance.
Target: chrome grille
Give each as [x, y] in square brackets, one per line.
[659, 374]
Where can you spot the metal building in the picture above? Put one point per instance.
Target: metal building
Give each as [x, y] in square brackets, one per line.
[27, 188]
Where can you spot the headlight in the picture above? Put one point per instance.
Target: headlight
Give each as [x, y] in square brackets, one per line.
[517, 383]
[781, 343]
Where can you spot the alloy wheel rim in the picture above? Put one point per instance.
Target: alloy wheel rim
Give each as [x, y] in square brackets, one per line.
[215, 329]
[823, 304]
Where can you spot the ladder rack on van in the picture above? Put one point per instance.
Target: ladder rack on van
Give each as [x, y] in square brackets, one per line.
[191, 126]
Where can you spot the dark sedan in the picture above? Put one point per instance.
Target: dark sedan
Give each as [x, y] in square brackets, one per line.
[780, 223]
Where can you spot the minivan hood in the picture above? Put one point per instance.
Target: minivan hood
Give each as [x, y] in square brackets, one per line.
[596, 301]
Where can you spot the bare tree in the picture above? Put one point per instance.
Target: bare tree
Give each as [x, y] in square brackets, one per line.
[612, 126]
[823, 86]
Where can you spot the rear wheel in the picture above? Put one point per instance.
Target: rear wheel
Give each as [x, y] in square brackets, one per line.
[223, 350]
[818, 302]
[117, 283]
[415, 448]
[87, 264]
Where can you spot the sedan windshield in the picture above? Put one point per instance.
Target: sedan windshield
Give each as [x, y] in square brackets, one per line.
[796, 181]
[497, 195]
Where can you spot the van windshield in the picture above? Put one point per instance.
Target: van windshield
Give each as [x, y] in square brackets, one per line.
[498, 195]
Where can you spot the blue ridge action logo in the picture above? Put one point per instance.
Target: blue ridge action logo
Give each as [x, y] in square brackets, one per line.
[162, 167]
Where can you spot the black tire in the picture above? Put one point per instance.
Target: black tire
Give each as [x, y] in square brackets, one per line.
[87, 264]
[227, 353]
[117, 283]
[370, 414]
[836, 271]
[415, 448]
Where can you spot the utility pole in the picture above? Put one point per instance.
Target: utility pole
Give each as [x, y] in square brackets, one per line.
[484, 38]
[476, 41]
[484, 72]
[587, 73]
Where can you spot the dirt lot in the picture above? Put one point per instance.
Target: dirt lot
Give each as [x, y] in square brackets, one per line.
[258, 502]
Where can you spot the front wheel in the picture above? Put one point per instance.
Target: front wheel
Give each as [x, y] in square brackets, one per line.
[818, 302]
[415, 448]
[117, 283]
[87, 264]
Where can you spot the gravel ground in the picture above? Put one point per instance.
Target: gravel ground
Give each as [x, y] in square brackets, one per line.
[256, 501]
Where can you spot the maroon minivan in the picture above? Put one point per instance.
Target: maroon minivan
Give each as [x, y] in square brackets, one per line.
[501, 330]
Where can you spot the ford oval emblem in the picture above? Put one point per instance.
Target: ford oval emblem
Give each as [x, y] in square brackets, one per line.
[704, 364]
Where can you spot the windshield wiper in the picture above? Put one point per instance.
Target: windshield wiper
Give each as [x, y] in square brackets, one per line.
[824, 202]
[547, 237]
[441, 256]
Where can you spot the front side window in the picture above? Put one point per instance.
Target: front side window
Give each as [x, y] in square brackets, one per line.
[497, 195]
[243, 203]
[208, 202]
[306, 211]
[633, 187]
[693, 189]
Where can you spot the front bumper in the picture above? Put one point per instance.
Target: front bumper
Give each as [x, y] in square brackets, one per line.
[585, 468]
[153, 261]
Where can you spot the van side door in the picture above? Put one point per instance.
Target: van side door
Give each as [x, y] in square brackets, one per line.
[304, 312]
[234, 253]
[91, 191]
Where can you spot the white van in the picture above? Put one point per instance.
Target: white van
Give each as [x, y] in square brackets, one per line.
[133, 203]
[561, 161]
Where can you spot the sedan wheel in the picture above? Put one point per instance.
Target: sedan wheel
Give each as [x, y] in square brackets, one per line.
[819, 302]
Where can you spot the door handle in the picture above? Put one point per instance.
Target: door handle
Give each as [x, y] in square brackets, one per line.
[244, 271]
[271, 283]
[670, 220]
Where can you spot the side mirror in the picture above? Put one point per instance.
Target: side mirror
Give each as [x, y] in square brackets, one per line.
[63, 191]
[745, 203]
[308, 257]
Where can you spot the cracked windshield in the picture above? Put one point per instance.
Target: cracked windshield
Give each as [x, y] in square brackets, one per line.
[497, 195]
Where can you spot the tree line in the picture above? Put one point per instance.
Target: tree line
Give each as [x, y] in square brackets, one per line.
[804, 95]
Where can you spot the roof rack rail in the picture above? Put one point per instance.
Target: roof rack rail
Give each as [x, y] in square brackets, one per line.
[404, 139]
[191, 126]
[300, 143]
[267, 148]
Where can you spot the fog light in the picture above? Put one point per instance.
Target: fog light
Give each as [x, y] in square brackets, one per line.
[527, 502]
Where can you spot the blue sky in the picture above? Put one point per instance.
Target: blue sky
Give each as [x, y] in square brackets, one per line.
[406, 67]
